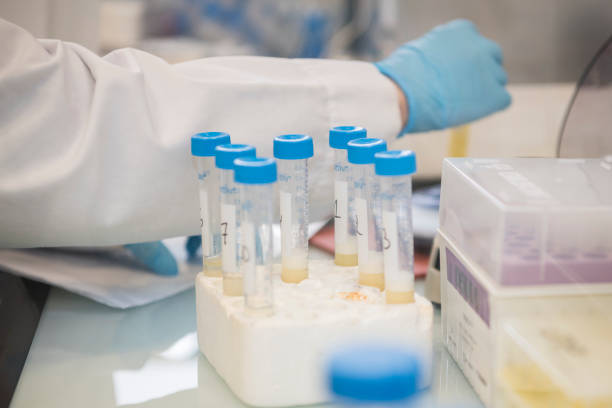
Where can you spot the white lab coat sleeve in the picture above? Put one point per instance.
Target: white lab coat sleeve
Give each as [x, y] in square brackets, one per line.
[95, 151]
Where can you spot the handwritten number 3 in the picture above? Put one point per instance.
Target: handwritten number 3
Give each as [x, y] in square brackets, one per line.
[387, 244]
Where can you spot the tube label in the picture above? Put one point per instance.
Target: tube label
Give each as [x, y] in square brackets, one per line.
[285, 223]
[390, 243]
[396, 278]
[247, 256]
[204, 223]
[361, 227]
[228, 237]
[340, 211]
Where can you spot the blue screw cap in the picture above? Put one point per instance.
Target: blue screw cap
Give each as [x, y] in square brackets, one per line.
[362, 151]
[254, 170]
[227, 153]
[374, 373]
[203, 144]
[339, 136]
[395, 163]
[293, 147]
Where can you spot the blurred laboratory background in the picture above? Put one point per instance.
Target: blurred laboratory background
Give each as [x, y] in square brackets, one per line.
[547, 45]
[547, 41]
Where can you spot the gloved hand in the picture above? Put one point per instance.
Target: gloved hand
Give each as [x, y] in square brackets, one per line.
[192, 245]
[450, 76]
[155, 256]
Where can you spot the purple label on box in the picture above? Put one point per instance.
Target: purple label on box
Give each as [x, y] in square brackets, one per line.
[468, 287]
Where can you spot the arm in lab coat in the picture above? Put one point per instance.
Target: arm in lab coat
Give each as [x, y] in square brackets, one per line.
[95, 151]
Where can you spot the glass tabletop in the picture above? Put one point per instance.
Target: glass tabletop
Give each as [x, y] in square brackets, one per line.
[87, 354]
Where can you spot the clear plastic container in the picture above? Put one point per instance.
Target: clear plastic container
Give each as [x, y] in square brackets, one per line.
[345, 237]
[230, 215]
[203, 151]
[292, 153]
[531, 222]
[526, 282]
[364, 189]
[393, 170]
[556, 361]
[256, 178]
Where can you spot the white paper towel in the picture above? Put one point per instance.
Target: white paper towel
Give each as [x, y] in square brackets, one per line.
[109, 276]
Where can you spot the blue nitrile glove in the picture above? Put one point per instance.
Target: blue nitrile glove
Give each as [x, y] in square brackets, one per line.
[450, 76]
[155, 256]
[192, 245]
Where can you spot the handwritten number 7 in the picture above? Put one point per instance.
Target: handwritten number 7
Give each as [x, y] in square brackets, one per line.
[224, 235]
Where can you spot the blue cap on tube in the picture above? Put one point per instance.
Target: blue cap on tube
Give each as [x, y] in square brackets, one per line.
[339, 136]
[203, 144]
[293, 147]
[254, 170]
[374, 373]
[227, 153]
[362, 151]
[395, 163]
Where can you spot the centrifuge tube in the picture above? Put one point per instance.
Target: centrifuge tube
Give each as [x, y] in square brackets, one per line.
[230, 214]
[256, 178]
[203, 152]
[292, 153]
[364, 189]
[393, 170]
[345, 239]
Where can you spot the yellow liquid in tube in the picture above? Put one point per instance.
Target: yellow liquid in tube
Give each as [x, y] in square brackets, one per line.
[372, 273]
[212, 266]
[376, 280]
[293, 275]
[232, 285]
[295, 266]
[396, 298]
[346, 254]
[345, 259]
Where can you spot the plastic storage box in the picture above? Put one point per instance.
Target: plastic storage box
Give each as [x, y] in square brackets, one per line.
[524, 242]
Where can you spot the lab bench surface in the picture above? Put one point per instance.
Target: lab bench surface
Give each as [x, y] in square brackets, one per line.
[87, 354]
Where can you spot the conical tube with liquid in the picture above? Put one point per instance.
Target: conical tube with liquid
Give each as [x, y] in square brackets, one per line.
[364, 189]
[230, 215]
[256, 179]
[292, 153]
[394, 171]
[345, 237]
[203, 151]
